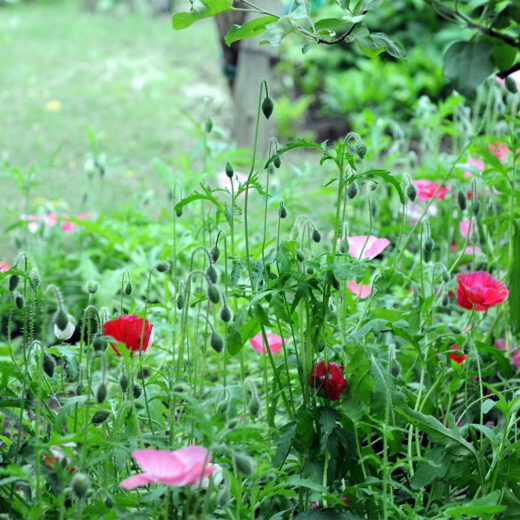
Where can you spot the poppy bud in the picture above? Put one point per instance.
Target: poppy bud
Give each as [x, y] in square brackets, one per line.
[361, 150]
[411, 192]
[63, 326]
[101, 393]
[61, 319]
[428, 245]
[214, 253]
[109, 502]
[461, 199]
[212, 273]
[343, 246]
[180, 301]
[455, 329]
[445, 276]
[163, 266]
[48, 364]
[34, 279]
[510, 84]
[300, 256]
[100, 416]
[99, 342]
[80, 484]
[475, 207]
[178, 212]
[310, 270]
[267, 107]
[137, 391]
[92, 287]
[282, 212]
[352, 190]
[244, 463]
[316, 235]
[19, 300]
[233, 423]
[225, 314]
[129, 289]
[224, 496]
[14, 280]
[277, 161]
[123, 382]
[229, 170]
[216, 342]
[474, 237]
[254, 406]
[209, 124]
[213, 294]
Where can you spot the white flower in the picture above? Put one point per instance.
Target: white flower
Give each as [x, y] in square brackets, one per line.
[66, 333]
[216, 477]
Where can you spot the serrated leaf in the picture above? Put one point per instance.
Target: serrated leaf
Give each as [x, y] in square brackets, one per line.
[486, 505]
[283, 446]
[248, 30]
[209, 8]
[468, 64]
[435, 465]
[387, 176]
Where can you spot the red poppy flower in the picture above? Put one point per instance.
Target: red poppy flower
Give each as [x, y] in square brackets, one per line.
[57, 456]
[458, 358]
[128, 330]
[426, 189]
[334, 384]
[481, 290]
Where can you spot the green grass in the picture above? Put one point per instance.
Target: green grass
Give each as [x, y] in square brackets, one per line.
[126, 78]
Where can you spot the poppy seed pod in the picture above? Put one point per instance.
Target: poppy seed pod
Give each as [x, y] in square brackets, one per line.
[214, 253]
[267, 107]
[229, 170]
[14, 280]
[80, 484]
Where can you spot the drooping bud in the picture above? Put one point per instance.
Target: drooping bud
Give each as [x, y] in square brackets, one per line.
[461, 199]
[352, 190]
[300, 256]
[123, 382]
[137, 391]
[180, 296]
[14, 280]
[445, 276]
[475, 207]
[209, 124]
[282, 211]
[214, 253]
[224, 496]
[163, 266]
[267, 107]
[129, 289]
[510, 84]
[80, 484]
[48, 364]
[92, 287]
[19, 300]
[277, 161]
[244, 463]
[361, 150]
[34, 279]
[101, 393]
[109, 502]
[316, 235]
[100, 416]
[222, 401]
[374, 208]
[225, 314]
[254, 406]
[212, 274]
[428, 248]
[63, 325]
[333, 280]
[474, 237]
[178, 212]
[343, 245]
[99, 342]
[411, 192]
[213, 293]
[229, 170]
[216, 342]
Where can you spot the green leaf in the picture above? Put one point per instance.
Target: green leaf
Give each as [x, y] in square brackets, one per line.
[487, 505]
[210, 8]
[199, 196]
[513, 300]
[370, 53]
[380, 42]
[327, 420]
[435, 465]
[468, 64]
[297, 144]
[385, 175]
[299, 482]
[284, 445]
[503, 55]
[275, 32]
[249, 29]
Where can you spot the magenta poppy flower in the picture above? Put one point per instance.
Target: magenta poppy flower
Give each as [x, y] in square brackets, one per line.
[4, 267]
[128, 330]
[481, 290]
[372, 246]
[181, 467]
[458, 358]
[361, 290]
[334, 384]
[426, 189]
[275, 343]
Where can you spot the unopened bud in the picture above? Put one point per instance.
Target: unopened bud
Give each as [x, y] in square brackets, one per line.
[352, 190]
[213, 294]
[214, 253]
[109, 502]
[99, 342]
[137, 391]
[100, 416]
[63, 326]
[267, 107]
[92, 287]
[333, 280]
[445, 276]
[343, 245]
[462, 200]
[19, 300]
[475, 207]
[316, 235]
[510, 84]
[129, 289]
[244, 463]
[14, 280]
[180, 301]
[101, 393]
[254, 406]
[428, 245]
[277, 161]
[216, 342]
[34, 279]
[374, 208]
[209, 124]
[212, 274]
[224, 496]
[225, 314]
[474, 237]
[300, 256]
[178, 212]
[229, 170]
[80, 484]
[48, 364]
[411, 192]
[163, 266]
[282, 211]
[361, 150]
[123, 382]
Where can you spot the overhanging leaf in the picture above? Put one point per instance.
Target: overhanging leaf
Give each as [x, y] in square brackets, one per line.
[468, 64]
[208, 8]
[249, 29]
[385, 175]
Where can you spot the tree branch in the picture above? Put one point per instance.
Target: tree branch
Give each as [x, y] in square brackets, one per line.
[504, 73]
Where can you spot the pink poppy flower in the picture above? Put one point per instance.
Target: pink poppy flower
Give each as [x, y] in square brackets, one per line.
[225, 183]
[465, 227]
[275, 343]
[415, 211]
[426, 189]
[50, 219]
[4, 267]
[481, 290]
[67, 227]
[500, 150]
[181, 467]
[366, 247]
[360, 290]
[477, 163]
[515, 353]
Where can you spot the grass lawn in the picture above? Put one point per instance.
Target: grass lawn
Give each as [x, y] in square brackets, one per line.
[126, 78]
